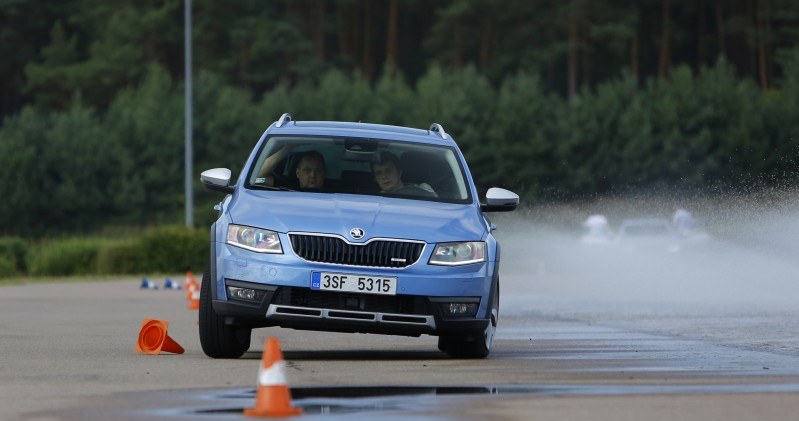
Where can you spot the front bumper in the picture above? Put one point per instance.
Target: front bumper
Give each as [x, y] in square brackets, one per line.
[289, 302]
[305, 309]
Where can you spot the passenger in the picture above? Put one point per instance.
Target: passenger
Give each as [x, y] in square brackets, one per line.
[388, 176]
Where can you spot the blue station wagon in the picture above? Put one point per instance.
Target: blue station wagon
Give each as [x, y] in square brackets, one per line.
[352, 227]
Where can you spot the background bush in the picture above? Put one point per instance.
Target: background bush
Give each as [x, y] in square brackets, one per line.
[122, 257]
[174, 249]
[168, 249]
[71, 256]
[13, 252]
[7, 268]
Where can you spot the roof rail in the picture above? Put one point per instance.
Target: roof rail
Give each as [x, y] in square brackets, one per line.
[285, 118]
[435, 127]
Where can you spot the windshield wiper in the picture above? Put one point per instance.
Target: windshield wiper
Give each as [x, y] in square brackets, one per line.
[262, 187]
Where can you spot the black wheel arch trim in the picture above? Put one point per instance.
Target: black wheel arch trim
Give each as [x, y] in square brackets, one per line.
[212, 261]
[494, 281]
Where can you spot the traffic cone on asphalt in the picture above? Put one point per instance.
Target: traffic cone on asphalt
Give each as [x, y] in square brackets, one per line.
[153, 338]
[273, 398]
[145, 284]
[190, 287]
[190, 281]
[170, 284]
[194, 302]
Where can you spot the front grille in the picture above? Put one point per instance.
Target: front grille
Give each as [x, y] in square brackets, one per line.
[379, 253]
[396, 304]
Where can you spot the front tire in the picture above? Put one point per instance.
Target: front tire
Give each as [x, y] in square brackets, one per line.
[219, 340]
[477, 345]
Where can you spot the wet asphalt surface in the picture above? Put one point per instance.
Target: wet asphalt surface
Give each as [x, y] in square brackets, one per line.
[619, 323]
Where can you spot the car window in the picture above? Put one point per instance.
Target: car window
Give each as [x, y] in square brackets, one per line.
[353, 165]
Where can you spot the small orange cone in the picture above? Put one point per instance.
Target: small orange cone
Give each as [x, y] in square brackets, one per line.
[153, 338]
[191, 282]
[191, 287]
[273, 398]
[194, 302]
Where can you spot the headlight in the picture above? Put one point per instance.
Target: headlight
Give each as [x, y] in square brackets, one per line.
[258, 240]
[453, 254]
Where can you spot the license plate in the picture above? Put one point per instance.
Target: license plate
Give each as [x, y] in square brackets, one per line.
[347, 282]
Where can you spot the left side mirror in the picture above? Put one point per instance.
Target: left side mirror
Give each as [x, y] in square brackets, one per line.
[500, 200]
[217, 179]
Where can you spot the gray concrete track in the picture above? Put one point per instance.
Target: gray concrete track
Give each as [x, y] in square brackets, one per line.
[579, 342]
[70, 346]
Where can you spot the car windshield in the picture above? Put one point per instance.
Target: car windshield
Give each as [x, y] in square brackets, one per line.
[376, 167]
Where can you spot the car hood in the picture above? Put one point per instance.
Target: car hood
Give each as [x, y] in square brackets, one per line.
[386, 217]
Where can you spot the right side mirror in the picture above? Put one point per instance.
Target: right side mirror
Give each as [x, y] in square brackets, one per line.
[500, 200]
[217, 179]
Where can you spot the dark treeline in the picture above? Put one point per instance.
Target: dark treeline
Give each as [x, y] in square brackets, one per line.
[51, 49]
[554, 99]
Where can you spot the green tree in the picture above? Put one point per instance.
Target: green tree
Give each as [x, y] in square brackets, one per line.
[227, 124]
[463, 101]
[22, 171]
[25, 29]
[52, 81]
[392, 99]
[59, 171]
[337, 96]
[605, 132]
[523, 136]
[147, 122]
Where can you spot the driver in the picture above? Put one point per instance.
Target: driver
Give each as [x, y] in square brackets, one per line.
[388, 176]
[311, 170]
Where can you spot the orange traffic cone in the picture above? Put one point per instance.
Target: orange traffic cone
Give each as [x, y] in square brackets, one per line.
[153, 338]
[194, 302]
[191, 287]
[190, 281]
[273, 398]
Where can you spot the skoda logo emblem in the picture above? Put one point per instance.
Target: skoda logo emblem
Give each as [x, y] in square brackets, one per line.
[356, 233]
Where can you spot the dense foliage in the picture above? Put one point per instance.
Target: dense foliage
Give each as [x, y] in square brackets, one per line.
[166, 249]
[552, 99]
[52, 48]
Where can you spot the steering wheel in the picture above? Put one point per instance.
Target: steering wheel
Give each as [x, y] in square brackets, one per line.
[280, 178]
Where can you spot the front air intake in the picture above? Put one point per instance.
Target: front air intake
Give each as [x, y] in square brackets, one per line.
[377, 253]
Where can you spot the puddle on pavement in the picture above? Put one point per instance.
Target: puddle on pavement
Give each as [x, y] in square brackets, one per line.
[349, 400]
[389, 403]
[343, 400]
